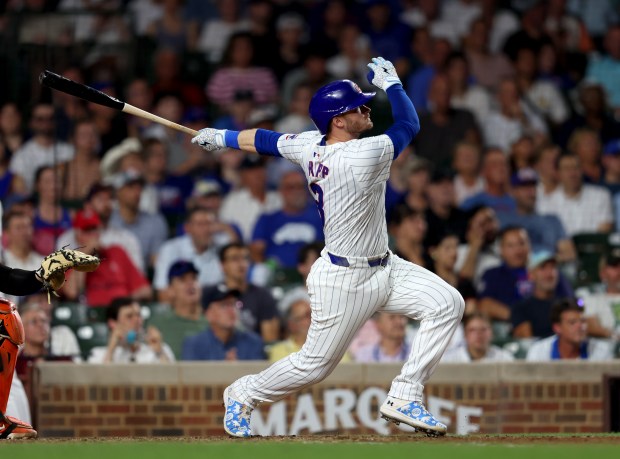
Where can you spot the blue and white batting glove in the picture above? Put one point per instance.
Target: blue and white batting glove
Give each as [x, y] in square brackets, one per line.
[210, 139]
[382, 73]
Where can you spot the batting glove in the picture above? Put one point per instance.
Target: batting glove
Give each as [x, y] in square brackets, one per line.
[382, 73]
[210, 139]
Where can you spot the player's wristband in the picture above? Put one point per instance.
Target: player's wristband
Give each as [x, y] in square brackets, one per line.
[231, 138]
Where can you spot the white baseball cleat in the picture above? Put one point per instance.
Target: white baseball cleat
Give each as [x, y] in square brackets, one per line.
[413, 414]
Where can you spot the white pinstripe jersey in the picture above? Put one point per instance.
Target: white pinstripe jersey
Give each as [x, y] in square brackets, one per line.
[347, 181]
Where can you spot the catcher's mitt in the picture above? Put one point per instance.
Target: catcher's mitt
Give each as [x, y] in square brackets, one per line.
[54, 266]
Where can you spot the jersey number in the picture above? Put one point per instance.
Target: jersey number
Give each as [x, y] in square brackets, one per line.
[317, 194]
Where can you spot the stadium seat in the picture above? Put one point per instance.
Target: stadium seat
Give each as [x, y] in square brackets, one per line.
[150, 310]
[72, 315]
[590, 247]
[90, 336]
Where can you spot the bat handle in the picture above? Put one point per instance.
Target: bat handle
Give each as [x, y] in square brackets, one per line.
[131, 110]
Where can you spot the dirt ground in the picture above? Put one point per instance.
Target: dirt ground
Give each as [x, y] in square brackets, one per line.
[345, 438]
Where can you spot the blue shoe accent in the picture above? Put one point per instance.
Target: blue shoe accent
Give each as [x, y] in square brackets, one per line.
[413, 414]
[236, 417]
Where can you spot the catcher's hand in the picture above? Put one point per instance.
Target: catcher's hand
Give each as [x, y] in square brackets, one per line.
[382, 73]
[210, 139]
[56, 264]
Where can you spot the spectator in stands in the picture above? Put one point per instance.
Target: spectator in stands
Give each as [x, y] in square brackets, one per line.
[306, 257]
[433, 60]
[11, 130]
[127, 155]
[521, 154]
[216, 32]
[50, 219]
[208, 194]
[253, 197]
[581, 208]
[138, 93]
[290, 29]
[545, 163]
[116, 277]
[488, 68]
[466, 164]
[407, 228]
[354, 54]
[171, 30]
[477, 346]
[507, 284]
[593, 114]
[442, 249]
[185, 317]
[465, 94]
[611, 167]
[388, 36]
[40, 343]
[512, 119]
[480, 252]
[278, 236]
[196, 245]
[99, 200]
[167, 68]
[532, 32]
[41, 150]
[221, 340]
[444, 126]
[585, 144]
[171, 191]
[127, 340]
[110, 124]
[392, 345]
[297, 325]
[314, 73]
[237, 72]
[259, 312]
[79, 174]
[18, 235]
[442, 215]
[544, 96]
[605, 69]
[296, 119]
[545, 232]
[237, 112]
[328, 25]
[570, 340]
[150, 229]
[602, 308]
[417, 176]
[6, 176]
[531, 317]
[496, 175]
[566, 29]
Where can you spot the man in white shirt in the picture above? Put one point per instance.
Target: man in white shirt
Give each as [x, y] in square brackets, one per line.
[197, 246]
[253, 198]
[602, 309]
[477, 346]
[570, 340]
[581, 208]
[127, 340]
[41, 150]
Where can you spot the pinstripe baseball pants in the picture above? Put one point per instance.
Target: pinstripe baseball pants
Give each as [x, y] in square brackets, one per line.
[342, 299]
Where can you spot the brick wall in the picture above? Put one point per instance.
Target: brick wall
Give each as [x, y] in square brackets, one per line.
[185, 399]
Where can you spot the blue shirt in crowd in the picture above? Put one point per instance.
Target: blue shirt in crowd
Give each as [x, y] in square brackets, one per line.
[206, 346]
[544, 231]
[286, 234]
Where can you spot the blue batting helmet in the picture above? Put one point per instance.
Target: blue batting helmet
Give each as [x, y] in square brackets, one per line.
[334, 99]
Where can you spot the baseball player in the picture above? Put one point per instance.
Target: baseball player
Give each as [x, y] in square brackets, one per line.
[51, 275]
[356, 274]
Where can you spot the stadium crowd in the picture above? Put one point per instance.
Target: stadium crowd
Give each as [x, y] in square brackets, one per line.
[510, 192]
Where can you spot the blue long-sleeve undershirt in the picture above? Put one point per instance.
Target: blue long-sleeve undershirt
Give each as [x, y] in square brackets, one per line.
[406, 122]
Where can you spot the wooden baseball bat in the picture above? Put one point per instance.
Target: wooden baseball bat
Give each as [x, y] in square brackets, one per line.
[60, 83]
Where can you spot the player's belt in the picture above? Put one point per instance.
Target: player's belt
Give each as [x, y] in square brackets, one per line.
[372, 262]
